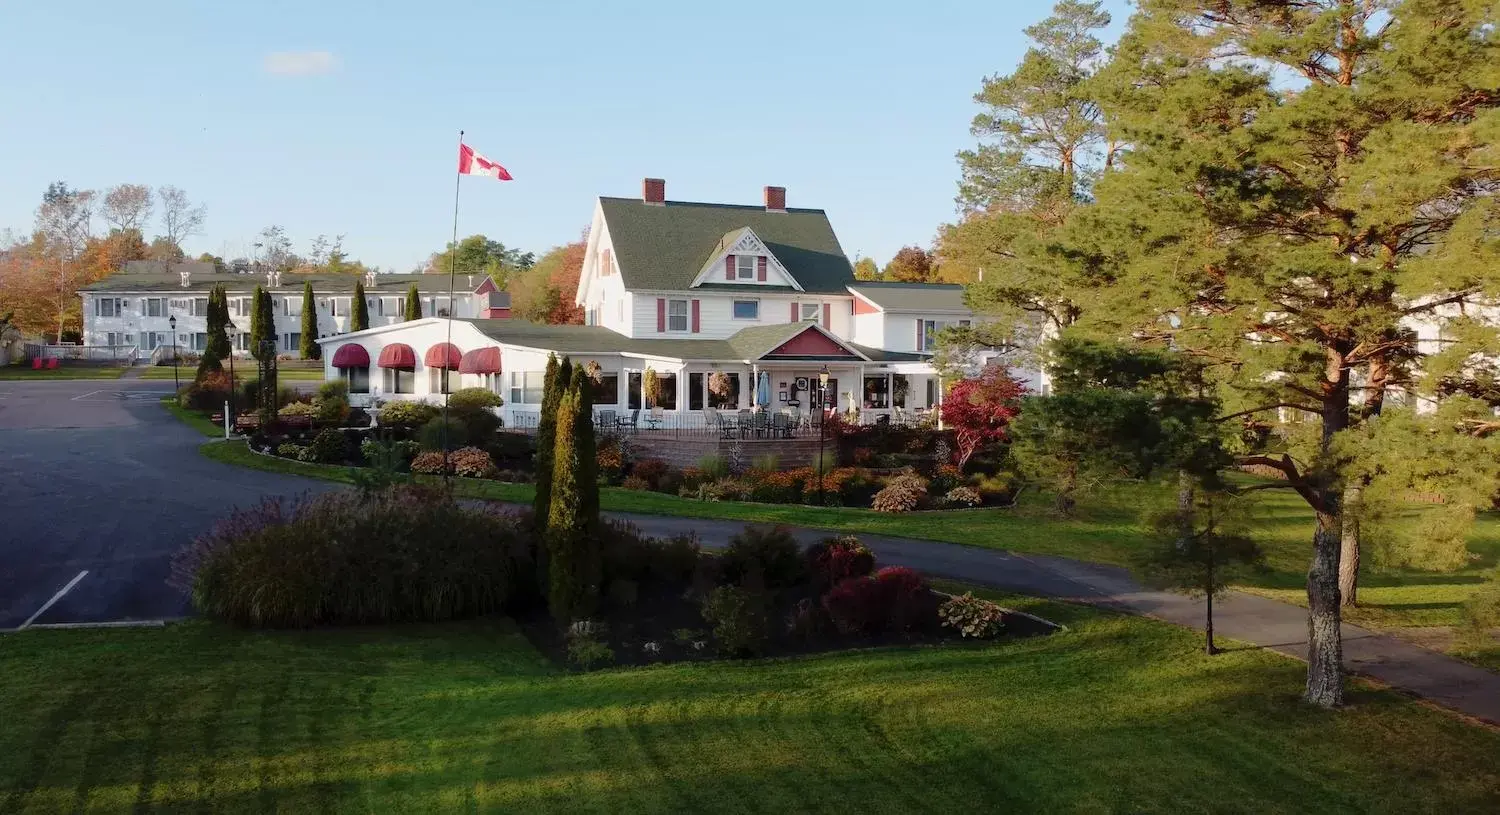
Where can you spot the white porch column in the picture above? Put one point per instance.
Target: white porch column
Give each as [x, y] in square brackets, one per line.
[754, 384]
[939, 402]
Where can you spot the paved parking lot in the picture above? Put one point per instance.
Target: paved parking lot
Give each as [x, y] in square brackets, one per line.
[96, 479]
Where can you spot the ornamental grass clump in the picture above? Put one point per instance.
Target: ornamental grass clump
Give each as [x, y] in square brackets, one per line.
[343, 558]
[972, 617]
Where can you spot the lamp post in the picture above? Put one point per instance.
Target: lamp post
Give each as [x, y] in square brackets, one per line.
[822, 425]
[172, 323]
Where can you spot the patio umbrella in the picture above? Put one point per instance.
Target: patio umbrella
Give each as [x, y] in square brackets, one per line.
[763, 389]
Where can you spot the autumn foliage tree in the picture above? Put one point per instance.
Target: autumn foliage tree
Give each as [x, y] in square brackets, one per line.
[980, 409]
[912, 264]
[545, 292]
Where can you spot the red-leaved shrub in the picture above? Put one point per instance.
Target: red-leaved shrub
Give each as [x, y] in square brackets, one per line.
[894, 599]
[833, 560]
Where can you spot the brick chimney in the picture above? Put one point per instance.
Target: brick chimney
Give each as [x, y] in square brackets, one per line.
[654, 191]
[775, 199]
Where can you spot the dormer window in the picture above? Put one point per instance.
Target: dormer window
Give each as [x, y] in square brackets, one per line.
[744, 267]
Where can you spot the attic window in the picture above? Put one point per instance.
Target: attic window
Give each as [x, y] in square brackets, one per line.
[744, 266]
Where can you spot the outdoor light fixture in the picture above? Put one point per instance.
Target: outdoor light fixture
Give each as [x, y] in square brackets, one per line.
[822, 423]
[172, 323]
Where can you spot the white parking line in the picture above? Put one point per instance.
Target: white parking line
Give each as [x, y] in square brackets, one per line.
[85, 396]
[55, 598]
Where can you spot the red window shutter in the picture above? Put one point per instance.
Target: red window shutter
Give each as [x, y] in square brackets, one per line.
[795, 315]
[729, 267]
[661, 314]
[919, 335]
[695, 316]
[827, 314]
[760, 268]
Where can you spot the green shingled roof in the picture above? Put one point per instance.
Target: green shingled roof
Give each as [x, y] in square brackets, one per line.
[322, 284]
[893, 296]
[747, 344]
[665, 246]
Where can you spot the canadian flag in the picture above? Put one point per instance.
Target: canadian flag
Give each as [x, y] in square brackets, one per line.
[471, 163]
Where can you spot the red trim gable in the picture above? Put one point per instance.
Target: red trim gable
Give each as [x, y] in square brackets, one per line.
[487, 286]
[811, 343]
[863, 306]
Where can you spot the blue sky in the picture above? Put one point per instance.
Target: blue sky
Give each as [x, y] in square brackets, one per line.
[353, 128]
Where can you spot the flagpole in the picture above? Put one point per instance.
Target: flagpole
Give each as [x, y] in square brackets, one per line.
[452, 274]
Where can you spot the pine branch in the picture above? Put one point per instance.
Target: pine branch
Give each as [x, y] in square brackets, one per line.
[1262, 408]
[1461, 297]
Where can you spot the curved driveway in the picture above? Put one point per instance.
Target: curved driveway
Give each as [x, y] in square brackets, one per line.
[95, 476]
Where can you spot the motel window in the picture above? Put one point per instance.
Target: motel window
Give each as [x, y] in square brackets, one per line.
[291, 306]
[154, 307]
[239, 306]
[241, 341]
[200, 307]
[526, 387]
[358, 379]
[666, 397]
[200, 341]
[744, 266]
[443, 380]
[729, 402]
[107, 307]
[928, 335]
[677, 315]
[747, 309]
[877, 392]
[401, 380]
[809, 311]
[292, 340]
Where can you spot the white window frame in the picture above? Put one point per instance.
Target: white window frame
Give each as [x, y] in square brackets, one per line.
[937, 326]
[199, 341]
[734, 306]
[239, 306]
[436, 380]
[686, 316]
[114, 307]
[392, 378]
[802, 311]
[291, 340]
[159, 302]
[290, 310]
[199, 307]
[740, 272]
[526, 387]
[347, 374]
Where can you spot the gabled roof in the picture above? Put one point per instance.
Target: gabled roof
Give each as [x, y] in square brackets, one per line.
[664, 247]
[929, 297]
[758, 341]
[749, 344]
[388, 284]
[741, 241]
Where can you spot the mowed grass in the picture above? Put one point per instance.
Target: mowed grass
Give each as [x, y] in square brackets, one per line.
[242, 373]
[21, 373]
[1116, 714]
[193, 419]
[1107, 528]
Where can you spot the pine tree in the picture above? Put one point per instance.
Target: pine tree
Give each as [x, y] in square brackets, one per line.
[413, 304]
[1286, 234]
[360, 314]
[309, 346]
[546, 436]
[573, 564]
[262, 324]
[588, 457]
[216, 348]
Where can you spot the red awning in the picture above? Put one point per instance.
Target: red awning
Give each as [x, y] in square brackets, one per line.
[443, 355]
[351, 355]
[398, 355]
[480, 361]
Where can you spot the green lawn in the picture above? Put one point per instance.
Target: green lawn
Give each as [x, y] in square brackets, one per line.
[20, 373]
[193, 419]
[241, 372]
[1106, 529]
[1117, 714]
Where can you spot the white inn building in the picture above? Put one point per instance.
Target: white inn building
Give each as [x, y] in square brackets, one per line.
[764, 294]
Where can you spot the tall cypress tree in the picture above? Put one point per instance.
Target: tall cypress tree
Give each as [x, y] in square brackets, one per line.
[574, 566]
[310, 348]
[360, 319]
[217, 346]
[588, 457]
[553, 385]
[262, 323]
[413, 304]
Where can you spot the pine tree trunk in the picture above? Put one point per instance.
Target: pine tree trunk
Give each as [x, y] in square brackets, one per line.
[1186, 492]
[1349, 546]
[1325, 647]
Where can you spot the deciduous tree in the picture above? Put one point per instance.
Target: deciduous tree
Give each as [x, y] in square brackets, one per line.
[65, 220]
[980, 409]
[865, 269]
[180, 217]
[545, 293]
[127, 207]
[912, 264]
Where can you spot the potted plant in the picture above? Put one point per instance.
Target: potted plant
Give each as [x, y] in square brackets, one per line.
[720, 385]
[650, 387]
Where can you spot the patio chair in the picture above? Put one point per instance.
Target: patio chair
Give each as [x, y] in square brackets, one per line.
[781, 426]
[606, 419]
[631, 422]
[658, 415]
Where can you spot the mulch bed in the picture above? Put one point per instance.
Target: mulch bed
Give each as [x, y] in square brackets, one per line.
[660, 614]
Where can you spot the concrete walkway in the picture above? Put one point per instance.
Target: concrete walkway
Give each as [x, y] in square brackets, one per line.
[1267, 623]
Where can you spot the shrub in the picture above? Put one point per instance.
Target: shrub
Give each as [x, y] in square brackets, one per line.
[208, 394]
[586, 652]
[808, 620]
[369, 449]
[431, 436]
[894, 599]
[777, 487]
[332, 401]
[904, 493]
[728, 489]
[650, 470]
[713, 466]
[675, 559]
[962, 497]
[430, 463]
[512, 451]
[835, 482]
[624, 550]
[611, 456]
[297, 409]
[292, 450]
[769, 555]
[972, 617]
[402, 413]
[470, 462]
[328, 447]
[405, 554]
[767, 463]
[670, 482]
[635, 482]
[998, 488]
[833, 560]
[623, 593]
[473, 399]
[738, 618]
[863, 456]
[945, 478]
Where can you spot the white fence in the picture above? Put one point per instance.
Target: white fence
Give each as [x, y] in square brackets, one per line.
[123, 354]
